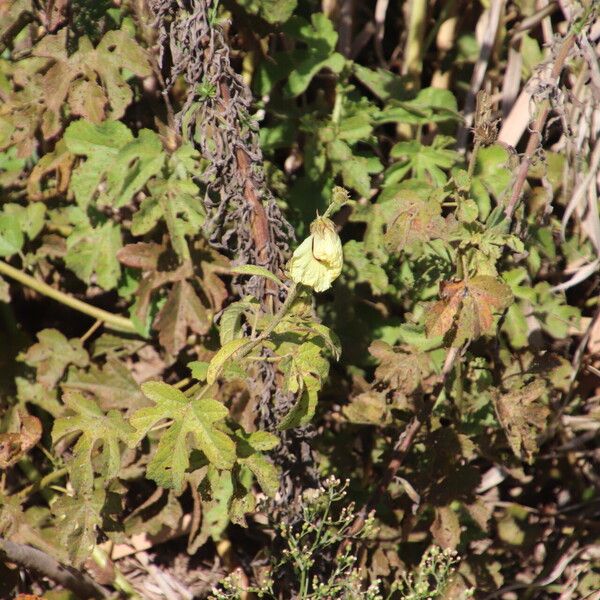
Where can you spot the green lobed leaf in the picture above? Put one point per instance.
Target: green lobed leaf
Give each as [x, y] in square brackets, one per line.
[92, 251]
[11, 235]
[192, 426]
[79, 517]
[230, 321]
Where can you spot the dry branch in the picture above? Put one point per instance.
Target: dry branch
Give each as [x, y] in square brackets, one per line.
[35, 560]
[536, 130]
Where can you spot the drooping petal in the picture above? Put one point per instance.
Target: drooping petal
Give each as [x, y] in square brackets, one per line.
[318, 261]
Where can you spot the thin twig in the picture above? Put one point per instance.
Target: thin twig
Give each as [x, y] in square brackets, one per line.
[530, 22]
[90, 332]
[480, 69]
[33, 559]
[536, 131]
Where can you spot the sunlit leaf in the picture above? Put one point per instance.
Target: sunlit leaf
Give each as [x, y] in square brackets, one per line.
[192, 425]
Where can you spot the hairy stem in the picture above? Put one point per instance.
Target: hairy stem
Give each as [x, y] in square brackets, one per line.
[473, 158]
[245, 350]
[110, 320]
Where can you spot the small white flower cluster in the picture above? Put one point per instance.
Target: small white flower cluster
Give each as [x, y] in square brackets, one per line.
[431, 577]
[325, 531]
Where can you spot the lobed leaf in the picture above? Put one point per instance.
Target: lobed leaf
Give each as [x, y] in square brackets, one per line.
[193, 425]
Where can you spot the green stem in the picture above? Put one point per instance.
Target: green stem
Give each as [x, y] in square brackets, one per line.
[320, 529]
[337, 106]
[277, 318]
[111, 321]
[459, 388]
[245, 350]
[120, 583]
[303, 583]
[42, 483]
[413, 50]
[473, 158]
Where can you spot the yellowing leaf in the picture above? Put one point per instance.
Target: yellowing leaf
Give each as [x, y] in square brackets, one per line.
[95, 429]
[221, 357]
[79, 517]
[466, 308]
[92, 251]
[183, 310]
[401, 368]
[368, 408]
[415, 219]
[523, 416]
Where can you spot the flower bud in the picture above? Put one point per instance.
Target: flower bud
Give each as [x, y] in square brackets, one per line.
[318, 260]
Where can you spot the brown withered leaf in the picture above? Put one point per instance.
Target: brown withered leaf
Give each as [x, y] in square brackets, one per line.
[14, 445]
[55, 14]
[368, 408]
[523, 416]
[30, 432]
[182, 311]
[101, 70]
[10, 449]
[20, 114]
[488, 293]
[467, 305]
[480, 512]
[159, 265]
[209, 265]
[401, 368]
[445, 527]
[54, 171]
[440, 317]
[88, 100]
[113, 385]
[144, 256]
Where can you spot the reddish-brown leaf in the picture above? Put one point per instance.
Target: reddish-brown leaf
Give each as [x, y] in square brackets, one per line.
[445, 527]
[14, 445]
[182, 311]
[468, 305]
[523, 416]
